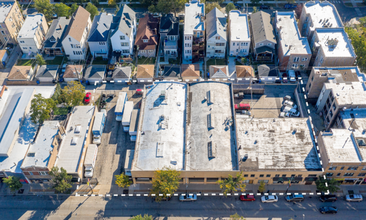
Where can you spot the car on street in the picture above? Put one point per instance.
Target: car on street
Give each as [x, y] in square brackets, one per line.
[88, 172]
[290, 6]
[294, 198]
[87, 98]
[247, 198]
[354, 198]
[328, 198]
[328, 210]
[268, 199]
[187, 197]
[264, 7]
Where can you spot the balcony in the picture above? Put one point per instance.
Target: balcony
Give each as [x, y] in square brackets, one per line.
[198, 40]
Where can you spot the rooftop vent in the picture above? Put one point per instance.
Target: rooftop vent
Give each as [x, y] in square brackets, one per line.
[74, 141]
[211, 149]
[361, 142]
[31, 154]
[159, 149]
[210, 98]
[210, 122]
[77, 129]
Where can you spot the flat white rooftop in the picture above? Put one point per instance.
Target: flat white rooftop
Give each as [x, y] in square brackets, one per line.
[5, 8]
[30, 26]
[323, 14]
[335, 42]
[210, 130]
[239, 29]
[276, 144]
[160, 137]
[39, 152]
[73, 144]
[348, 93]
[289, 35]
[192, 19]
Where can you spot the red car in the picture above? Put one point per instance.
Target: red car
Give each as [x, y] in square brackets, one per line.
[242, 106]
[247, 198]
[87, 98]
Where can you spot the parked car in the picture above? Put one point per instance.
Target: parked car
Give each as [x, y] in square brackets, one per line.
[294, 198]
[328, 210]
[264, 7]
[247, 198]
[290, 6]
[298, 74]
[188, 198]
[328, 198]
[295, 114]
[88, 172]
[287, 97]
[354, 198]
[268, 199]
[242, 106]
[87, 98]
[292, 76]
[288, 103]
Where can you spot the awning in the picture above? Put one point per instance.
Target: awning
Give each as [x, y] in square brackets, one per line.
[264, 49]
[281, 179]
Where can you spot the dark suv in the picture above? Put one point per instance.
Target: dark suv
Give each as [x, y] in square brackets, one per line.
[328, 198]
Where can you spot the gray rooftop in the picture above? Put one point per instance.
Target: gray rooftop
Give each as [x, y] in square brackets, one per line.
[193, 17]
[42, 147]
[122, 72]
[262, 28]
[124, 19]
[47, 71]
[276, 144]
[162, 122]
[216, 24]
[239, 28]
[56, 32]
[30, 26]
[100, 28]
[5, 8]
[95, 72]
[210, 134]
[69, 156]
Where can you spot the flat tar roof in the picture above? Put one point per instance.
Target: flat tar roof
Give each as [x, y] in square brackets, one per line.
[160, 137]
[276, 144]
[210, 129]
[73, 144]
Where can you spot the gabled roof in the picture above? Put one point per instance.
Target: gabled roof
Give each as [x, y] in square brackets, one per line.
[19, 72]
[145, 71]
[100, 28]
[122, 72]
[147, 29]
[72, 71]
[262, 28]
[244, 71]
[124, 19]
[56, 32]
[95, 72]
[169, 25]
[216, 23]
[190, 70]
[78, 23]
[264, 71]
[171, 71]
[219, 71]
[47, 71]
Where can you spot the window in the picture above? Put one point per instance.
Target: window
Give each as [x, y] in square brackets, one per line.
[233, 44]
[348, 174]
[43, 173]
[217, 37]
[362, 174]
[305, 59]
[342, 168]
[294, 65]
[125, 51]
[261, 44]
[101, 43]
[145, 40]
[217, 51]
[277, 175]
[252, 175]
[283, 175]
[30, 173]
[70, 39]
[338, 174]
[302, 66]
[329, 174]
[3, 32]
[25, 48]
[30, 48]
[364, 168]
[269, 44]
[261, 175]
[332, 168]
[21, 42]
[268, 175]
[245, 175]
[293, 175]
[220, 44]
[122, 37]
[352, 168]
[296, 59]
[124, 44]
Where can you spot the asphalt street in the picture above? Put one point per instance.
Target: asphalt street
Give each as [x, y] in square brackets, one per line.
[27, 207]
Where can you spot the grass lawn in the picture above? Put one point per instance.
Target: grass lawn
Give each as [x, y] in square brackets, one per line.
[25, 62]
[56, 61]
[61, 111]
[146, 60]
[175, 61]
[100, 61]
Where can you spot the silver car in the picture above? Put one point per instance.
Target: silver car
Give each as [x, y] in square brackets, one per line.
[268, 199]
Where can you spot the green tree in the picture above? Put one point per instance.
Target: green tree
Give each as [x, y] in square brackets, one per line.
[149, 2]
[60, 180]
[229, 7]
[39, 60]
[359, 44]
[151, 9]
[44, 7]
[231, 184]
[332, 185]
[13, 183]
[291, 1]
[362, 20]
[140, 217]
[165, 181]
[112, 2]
[117, 9]
[170, 6]
[61, 10]
[236, 216]
[212, 5]
[41, 108]
[254, 2]
[92, 10]
[95, 2]
[254, 9]
[73, 8]
[262, 186]
[73, 94]
[123, 180]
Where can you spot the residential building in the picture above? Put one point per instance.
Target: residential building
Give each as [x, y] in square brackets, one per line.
[172, 72]
[239, 34]
[32, 34]
[190, 72]
[122, 74]
[147, 37]
[53, 42]
[194, 31]
[219, 72]
[332, 47]
[169, 33]
[76, 140]
[317, 15]
[216, 34]
[75, 41]
[244, 72]
[42, 153]
[73, 73]
[99, 36]
[145, 73]
[293, 50]
[264, 41]
[267, 73]
[95, 73]
[124, 31]
[21, 73]
[277, 151]
[11, 21]
[47, 73]
[3, 58]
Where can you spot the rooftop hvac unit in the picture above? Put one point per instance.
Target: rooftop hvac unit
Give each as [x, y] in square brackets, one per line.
[210, 98]
[74, 141]
[211, 149]
[210, 122]
[77, 129]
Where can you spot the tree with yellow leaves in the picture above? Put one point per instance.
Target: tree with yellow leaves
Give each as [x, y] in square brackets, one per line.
[231, 185]
[165, 181]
